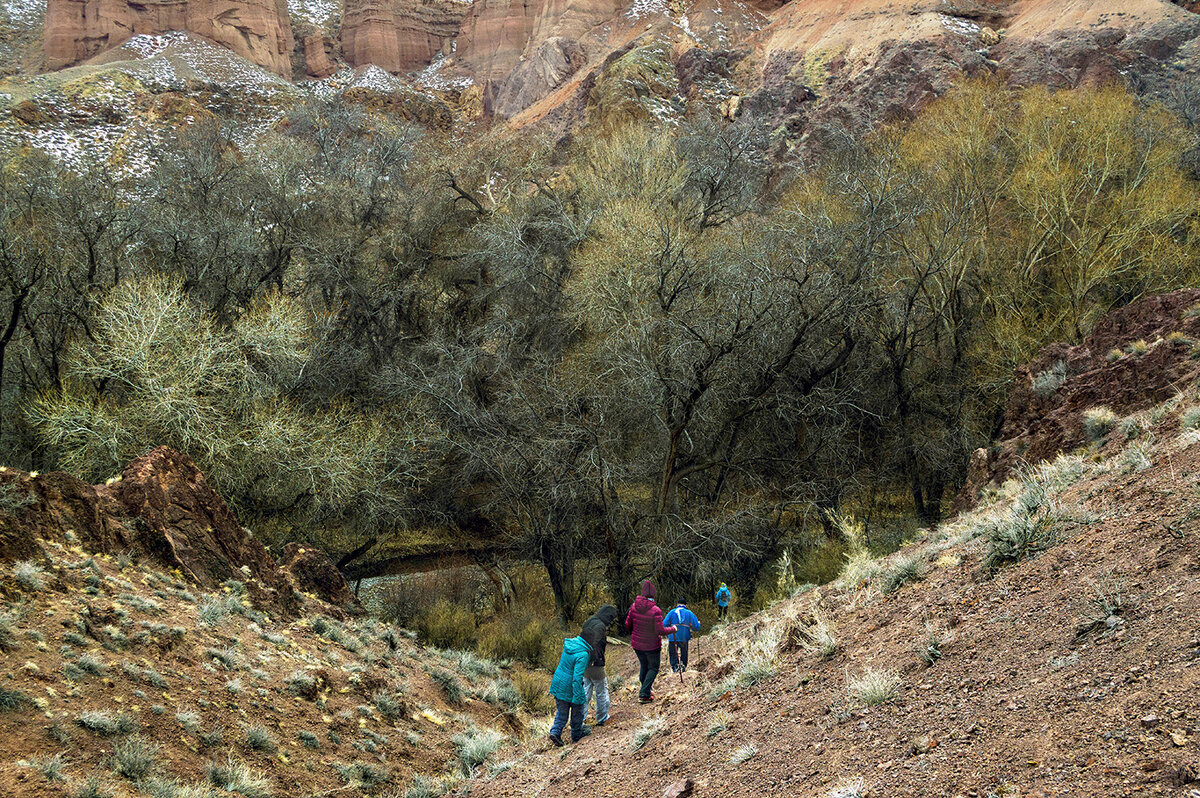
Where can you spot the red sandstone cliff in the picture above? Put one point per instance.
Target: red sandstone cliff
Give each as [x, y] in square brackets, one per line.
[258, 30]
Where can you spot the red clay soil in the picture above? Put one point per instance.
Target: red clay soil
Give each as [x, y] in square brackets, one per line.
[1020, 703]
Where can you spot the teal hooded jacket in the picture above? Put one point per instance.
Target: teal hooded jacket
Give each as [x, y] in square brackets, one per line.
[567, 684]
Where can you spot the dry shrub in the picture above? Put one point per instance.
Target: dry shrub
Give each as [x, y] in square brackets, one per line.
[533, 689]
[447, 625]
[521, 637]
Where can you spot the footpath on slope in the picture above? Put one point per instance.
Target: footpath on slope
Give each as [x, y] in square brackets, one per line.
[1072, 668]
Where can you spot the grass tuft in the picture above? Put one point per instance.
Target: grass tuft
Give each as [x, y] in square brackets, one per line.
[873, 687]
[643, 733]
[134, 757]
[743, 754]
[474, 746]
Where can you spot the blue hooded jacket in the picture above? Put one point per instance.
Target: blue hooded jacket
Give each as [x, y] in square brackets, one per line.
[567, 684]
[685, 620]
[723, 596]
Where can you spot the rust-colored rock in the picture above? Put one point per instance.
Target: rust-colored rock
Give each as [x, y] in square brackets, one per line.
[1039, 425]
[258, 30]
[161, 509]
[398, 35]
[310, 571]
[316, 56]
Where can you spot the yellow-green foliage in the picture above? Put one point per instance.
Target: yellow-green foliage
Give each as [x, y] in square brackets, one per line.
[447, 625]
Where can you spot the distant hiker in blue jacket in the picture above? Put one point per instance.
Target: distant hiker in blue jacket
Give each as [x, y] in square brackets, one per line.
[570, 700]
[685, 622]
[723, 597]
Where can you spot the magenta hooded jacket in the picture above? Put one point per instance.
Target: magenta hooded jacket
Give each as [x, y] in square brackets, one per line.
[645, 621]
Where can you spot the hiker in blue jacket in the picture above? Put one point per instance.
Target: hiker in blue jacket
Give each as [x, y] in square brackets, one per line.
[723, 597]
[685, 622]
[570, 700]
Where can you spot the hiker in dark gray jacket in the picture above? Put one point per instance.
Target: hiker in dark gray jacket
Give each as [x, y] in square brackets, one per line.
[595, 680]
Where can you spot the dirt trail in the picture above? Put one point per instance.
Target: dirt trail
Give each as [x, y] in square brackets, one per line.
[1021, 701]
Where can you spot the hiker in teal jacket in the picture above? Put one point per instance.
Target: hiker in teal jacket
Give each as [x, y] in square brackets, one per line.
[570, 700]
[723, 597]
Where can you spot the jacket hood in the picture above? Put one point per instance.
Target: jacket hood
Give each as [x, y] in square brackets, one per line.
[576, 645]
[641, 603]
[648, 590]
[606, 614]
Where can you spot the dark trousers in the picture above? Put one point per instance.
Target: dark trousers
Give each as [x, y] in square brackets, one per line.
[678, 651]
[564, 712]
[650, 662]
[722, 612]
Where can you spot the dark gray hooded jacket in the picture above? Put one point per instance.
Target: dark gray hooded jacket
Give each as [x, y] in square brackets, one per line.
[595, 632]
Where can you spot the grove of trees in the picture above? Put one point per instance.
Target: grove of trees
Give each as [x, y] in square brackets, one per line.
[656, 350]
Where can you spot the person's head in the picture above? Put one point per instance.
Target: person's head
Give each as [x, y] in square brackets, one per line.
[648, 590]
[722, 584]
[607, 614]
[681, 604]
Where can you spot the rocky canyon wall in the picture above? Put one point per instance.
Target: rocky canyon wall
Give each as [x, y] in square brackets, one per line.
[399, 35]
[258, 30]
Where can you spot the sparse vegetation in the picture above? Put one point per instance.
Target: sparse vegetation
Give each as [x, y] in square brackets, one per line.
[647, 730]
[475, 746]
[718, 722]
[449, 683]
[11, 700]
[308, 739]
[873, 686]
[424, 787]
[504, 693]
[29, 575]
[236, 776]
[902, 571]
[134, 757]
[302, 684]
[742, 755]
[1097, 423]
[105, 723]
[1047, 383]
[259, 739]
[533, 690]
[51, 767]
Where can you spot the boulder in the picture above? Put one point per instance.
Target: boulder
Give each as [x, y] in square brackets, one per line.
[316, 56]
[310, 571]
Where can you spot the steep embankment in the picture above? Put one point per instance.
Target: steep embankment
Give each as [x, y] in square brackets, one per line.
[151, 646]
[1046, 643]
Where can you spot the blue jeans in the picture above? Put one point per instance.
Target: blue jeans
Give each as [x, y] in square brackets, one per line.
[678, 652]
[600, 688]
[563, 710]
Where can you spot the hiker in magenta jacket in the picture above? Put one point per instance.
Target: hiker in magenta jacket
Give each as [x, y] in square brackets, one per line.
[645, 623]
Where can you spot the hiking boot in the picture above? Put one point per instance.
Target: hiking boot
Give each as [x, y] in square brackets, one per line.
[646, 700]
[584, 732]
[554, 738]
[600, 723]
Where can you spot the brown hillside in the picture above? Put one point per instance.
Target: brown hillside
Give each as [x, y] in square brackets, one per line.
[1074, 671]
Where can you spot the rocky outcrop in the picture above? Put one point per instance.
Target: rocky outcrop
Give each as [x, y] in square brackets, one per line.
[310, 571]
[1137, 357]
[316, 56]
[161, 509]
[258, 30]
[399, 35]
[828, 63]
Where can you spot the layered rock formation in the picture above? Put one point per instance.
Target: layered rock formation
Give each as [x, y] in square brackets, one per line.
[163, 510]
[399, 35]
[258, 30]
